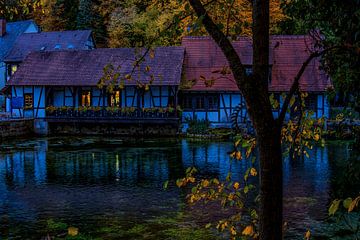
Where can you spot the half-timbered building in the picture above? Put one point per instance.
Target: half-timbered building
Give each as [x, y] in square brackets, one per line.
[67, 85]
[76, 85]
[209, 90]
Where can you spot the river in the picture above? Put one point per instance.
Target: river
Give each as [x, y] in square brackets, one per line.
[112, 188]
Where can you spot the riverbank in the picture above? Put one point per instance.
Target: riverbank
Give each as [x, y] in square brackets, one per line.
[12, 128]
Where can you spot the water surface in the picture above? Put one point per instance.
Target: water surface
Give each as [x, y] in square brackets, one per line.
[112, 188]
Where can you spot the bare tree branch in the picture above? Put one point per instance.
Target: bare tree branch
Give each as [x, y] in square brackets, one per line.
[222, 41]
[295, 86]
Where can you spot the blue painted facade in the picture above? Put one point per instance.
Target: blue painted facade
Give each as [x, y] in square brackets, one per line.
[217, 107]
[13, 31]
[32, 101]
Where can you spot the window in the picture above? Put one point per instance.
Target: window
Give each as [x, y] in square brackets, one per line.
[28, 101]
[115, 99]
[213, 102]
[311, 102]
[200, 102]
[204, 102]
[86, 98]
[187, 102]
[171, 101]
[248, 70]
[12, 68]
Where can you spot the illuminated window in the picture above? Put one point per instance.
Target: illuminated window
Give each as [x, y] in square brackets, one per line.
[12, 69]
[28, 101]
[115, 99]
[86, 98]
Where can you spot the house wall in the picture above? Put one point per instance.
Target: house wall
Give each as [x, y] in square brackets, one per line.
[2, 84]
[18, 102]
[228, 101]
[32, 28]
[221, 115]
[157, 96]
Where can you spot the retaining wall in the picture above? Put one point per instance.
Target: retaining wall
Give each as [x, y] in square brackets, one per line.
[13, 128]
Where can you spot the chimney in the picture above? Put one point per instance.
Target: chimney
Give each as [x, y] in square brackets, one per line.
[2, 27]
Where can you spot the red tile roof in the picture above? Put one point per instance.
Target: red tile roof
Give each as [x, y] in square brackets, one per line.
[85, 68]
[48, 41]
[287, 54]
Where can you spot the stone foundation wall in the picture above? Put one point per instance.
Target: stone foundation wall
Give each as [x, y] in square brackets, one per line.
[16, 128]
[153, 130]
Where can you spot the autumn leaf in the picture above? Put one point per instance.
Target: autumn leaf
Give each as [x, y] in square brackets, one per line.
[316, 137]
[166, 184]
[238, 155]
[248, 231]
[354, 204]
[334, 207]
[253, 172]
[233, 230]
[347, 202]
[307, 235]
[236, 185]
[73, 231]
[205, 183]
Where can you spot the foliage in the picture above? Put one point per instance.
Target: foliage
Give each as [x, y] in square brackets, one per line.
[298, 136]
[197, 126]
[85, 16]
[18, 10]
[56, 15]
[338, 23]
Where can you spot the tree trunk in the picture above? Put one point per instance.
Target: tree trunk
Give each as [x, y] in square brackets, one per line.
[255, 91]
[271, 191]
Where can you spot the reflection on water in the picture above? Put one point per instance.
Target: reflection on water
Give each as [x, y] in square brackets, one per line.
[89, 182]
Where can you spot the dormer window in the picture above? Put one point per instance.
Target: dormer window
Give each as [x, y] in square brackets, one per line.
[57, 46]
[70, 46]
[12, 68]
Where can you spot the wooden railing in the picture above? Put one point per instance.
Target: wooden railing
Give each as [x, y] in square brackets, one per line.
[112, 113]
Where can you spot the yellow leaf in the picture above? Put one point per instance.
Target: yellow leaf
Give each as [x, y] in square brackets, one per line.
[248, 231]
[180, 182]
[307, 235]
[233, 230]
[316, 137]
[205, 183]
[191, 179]
[334, 207]
[354, 204]
[152, 53]
[236, 185]
[237, 143]
[73, 231]
[253, 172]
[238, 155]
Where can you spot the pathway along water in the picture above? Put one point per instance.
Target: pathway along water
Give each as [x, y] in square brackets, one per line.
[112, 189]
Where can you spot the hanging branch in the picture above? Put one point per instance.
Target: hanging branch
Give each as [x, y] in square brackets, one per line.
[295, 85]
